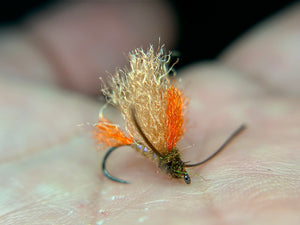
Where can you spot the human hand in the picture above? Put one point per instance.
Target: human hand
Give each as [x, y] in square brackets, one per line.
[51, 174]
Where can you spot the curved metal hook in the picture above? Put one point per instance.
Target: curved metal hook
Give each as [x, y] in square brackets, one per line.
[105, 172]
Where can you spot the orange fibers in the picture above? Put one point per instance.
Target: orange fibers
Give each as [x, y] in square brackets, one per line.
[109, 134]
[174, 111]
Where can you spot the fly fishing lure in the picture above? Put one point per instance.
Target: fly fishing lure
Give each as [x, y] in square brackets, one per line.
[153, 109]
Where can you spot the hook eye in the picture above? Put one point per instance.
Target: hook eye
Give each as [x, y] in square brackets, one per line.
[187, 178]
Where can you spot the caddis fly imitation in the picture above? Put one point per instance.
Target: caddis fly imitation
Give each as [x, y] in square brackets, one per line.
[153, 109]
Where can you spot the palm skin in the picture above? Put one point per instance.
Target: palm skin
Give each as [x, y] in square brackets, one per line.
[50, 171]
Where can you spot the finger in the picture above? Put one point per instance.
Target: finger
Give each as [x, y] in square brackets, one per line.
[258, 172]
[270, 52]
[83, 41]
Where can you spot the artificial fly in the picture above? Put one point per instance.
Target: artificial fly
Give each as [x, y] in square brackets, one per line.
[153, 109]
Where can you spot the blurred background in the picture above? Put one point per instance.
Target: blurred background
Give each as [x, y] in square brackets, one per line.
[199, 30]
[203, 30]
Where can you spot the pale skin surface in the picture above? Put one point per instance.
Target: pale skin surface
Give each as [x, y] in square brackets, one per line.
[50, 171]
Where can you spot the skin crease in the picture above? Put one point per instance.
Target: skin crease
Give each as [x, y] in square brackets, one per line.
[50, 173]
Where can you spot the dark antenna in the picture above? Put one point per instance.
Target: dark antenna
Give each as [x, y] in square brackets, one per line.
[109, 176]
[231, 137]
[142, 133]
[105, 172]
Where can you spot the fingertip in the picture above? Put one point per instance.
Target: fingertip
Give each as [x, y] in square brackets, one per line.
[85, 41]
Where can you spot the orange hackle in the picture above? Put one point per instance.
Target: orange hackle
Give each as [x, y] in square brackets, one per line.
[109, 134]
[174, 111]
